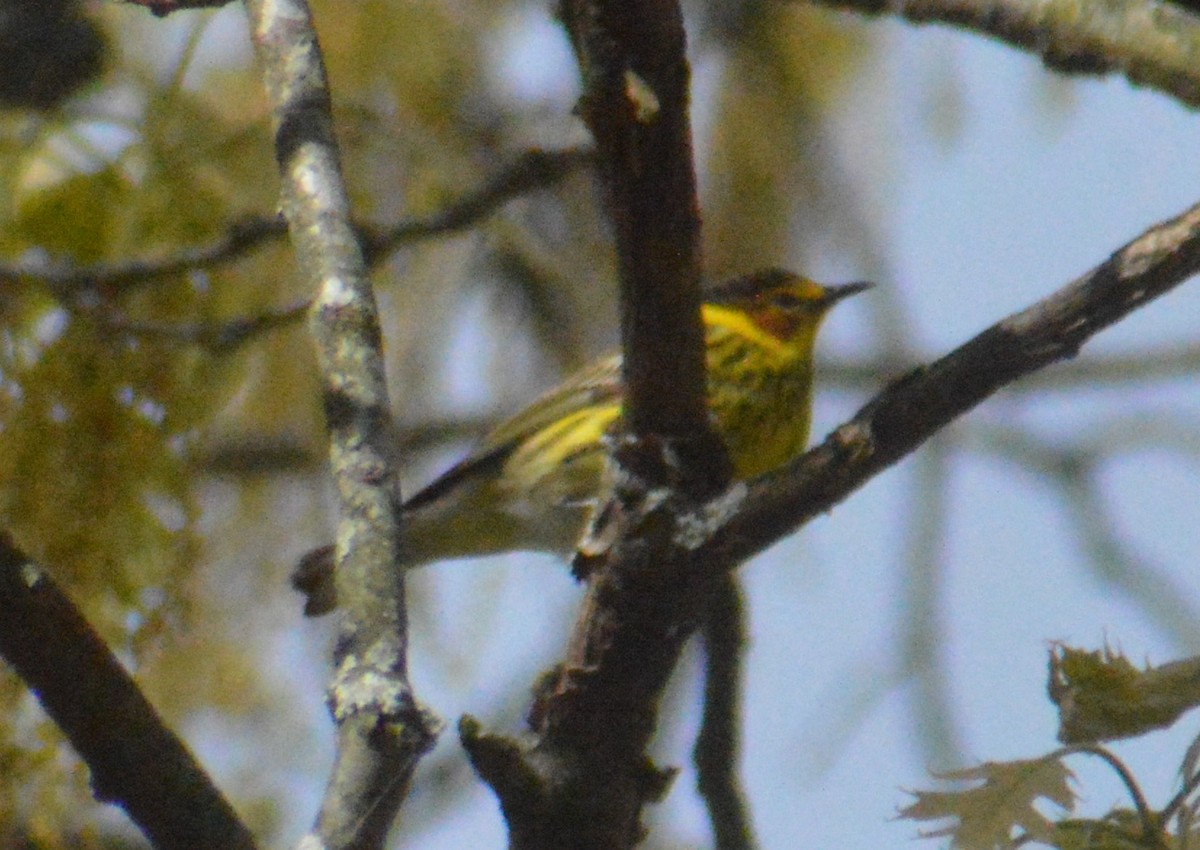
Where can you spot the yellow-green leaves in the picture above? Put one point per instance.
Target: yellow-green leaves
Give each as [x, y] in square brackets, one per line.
[1101, 696]
[997, 803]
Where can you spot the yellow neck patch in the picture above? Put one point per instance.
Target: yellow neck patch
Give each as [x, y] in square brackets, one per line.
[771, 330]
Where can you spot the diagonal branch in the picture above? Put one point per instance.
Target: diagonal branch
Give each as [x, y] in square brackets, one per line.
[533, 169]
[574, 783]
[917, 406]
[136, 762]
[1154, 44]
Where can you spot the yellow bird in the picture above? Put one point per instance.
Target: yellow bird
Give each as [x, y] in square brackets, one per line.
[531, 482]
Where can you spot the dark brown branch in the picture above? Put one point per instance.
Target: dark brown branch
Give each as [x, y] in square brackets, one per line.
[162, 8]
[585, 779]
[1153, 44]
[382, 733]
[68, 282]
[717, 746]
[136, 762]
[915, 407]
[635, 102]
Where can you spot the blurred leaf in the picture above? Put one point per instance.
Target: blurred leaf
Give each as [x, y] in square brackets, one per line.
[985, 816]
[1101, 696]
[1120, 829]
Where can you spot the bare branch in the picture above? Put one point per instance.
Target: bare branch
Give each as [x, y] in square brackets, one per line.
[214, 337]
[585, 779]
[635, 102]
[717, 746]
[136, 762]
[68, 282]
[162, 8]
[533, 169]
[1153, 44]
[912, 409]
[382, 733]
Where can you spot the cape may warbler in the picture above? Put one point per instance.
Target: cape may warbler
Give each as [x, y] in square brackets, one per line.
[531, 481]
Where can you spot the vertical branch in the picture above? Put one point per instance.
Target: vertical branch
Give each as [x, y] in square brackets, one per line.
[717, 746]
[381, 731]
[635, 102]
[584, 779]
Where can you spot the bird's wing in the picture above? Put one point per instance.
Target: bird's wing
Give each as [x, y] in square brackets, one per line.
[595, 384]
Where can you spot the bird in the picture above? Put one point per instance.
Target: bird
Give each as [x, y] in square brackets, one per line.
[532, 481]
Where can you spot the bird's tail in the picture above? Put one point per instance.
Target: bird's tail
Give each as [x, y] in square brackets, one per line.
[313, 576]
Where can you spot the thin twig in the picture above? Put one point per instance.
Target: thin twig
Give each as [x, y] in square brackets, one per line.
[1151, 828]
[533, 169]
[217, 338]
[717, 745]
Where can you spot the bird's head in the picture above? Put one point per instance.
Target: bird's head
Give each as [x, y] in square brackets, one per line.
[781, 304]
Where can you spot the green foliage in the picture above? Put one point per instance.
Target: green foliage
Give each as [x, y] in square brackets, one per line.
[100, 414]
[1101, 696]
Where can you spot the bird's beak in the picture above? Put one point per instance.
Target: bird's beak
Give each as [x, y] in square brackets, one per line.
[834, 294]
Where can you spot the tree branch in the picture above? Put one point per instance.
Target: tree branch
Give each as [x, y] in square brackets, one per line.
[635, 102]
[532, 169]
[916, 406]
[718, 745]
[1153, 44]
[382, 733]
[68, 282]
[136, 762]
[585, 779]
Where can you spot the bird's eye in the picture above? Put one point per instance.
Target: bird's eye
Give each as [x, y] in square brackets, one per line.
[787, 300]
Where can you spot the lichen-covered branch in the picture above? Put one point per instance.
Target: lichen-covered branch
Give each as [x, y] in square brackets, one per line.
[382, 733]
[1153, 44]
